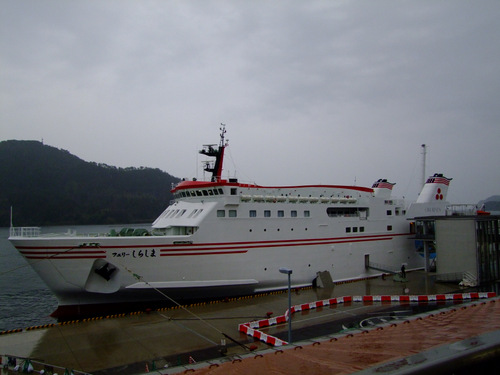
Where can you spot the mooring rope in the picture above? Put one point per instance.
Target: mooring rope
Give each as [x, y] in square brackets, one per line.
[141, 278]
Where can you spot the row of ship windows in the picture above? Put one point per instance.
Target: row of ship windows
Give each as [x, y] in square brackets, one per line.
[199, 193]
[362, 229]
[220, 191]
[179, 213]
[354, 229]
[331, 212]
[234, 191]
[361, 212]
[267, 213]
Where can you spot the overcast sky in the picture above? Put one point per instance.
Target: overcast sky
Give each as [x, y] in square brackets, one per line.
[312, 92]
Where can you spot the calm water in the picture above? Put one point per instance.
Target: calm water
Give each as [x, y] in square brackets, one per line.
[25, 301]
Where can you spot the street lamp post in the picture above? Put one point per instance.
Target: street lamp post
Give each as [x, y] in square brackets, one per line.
[288, 272]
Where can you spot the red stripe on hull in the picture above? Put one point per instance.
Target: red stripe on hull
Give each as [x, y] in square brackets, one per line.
[338, 239]
[207, 253]
[67, 257]
[197, 249]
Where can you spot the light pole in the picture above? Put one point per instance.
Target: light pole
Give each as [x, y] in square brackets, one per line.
[288, 272]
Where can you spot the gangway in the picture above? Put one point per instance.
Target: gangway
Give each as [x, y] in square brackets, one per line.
[381, 267]
[398, 276]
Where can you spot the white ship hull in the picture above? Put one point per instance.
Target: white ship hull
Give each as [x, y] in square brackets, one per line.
[223, 238]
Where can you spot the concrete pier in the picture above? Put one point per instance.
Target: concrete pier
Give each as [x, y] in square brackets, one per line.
[132, 343]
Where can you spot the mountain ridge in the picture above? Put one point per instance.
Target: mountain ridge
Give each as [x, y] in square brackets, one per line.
[50, 186]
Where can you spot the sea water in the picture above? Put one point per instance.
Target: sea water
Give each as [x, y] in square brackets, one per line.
[25, 300]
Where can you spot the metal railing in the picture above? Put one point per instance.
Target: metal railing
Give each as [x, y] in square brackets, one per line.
[24, 231]
[14, 364]
[465, 278]
[461, 210]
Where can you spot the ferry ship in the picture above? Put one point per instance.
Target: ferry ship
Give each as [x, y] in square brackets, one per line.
[221, 238]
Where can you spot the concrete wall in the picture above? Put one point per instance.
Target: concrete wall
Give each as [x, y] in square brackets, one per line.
[456, 246]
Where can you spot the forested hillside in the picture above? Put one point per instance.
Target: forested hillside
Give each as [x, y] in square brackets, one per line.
[49, 186]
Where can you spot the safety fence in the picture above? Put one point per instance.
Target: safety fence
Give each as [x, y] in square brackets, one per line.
[253, 328]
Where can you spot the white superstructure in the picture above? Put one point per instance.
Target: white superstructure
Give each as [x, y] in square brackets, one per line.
[224, 238]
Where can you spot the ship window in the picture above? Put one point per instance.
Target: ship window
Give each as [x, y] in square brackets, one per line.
[362, 212]
[192, 213]
[234, 191]
[355, 229]
[281, 213]
[361, 229]
[210, 192]
[221, 192]
[232, 213]
[267, 213]
[199, 212]
[216, 192]
[221, 213]
[348, 230]
[389, 212]
[253, 213]
[199, 193]
[389, 227]
[205, 193]
[307, 213]
[193, 193]
[181, 213]
[293, 213]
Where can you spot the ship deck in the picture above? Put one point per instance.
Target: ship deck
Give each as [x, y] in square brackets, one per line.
[167, 340]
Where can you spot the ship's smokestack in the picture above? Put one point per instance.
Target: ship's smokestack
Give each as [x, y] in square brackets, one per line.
[435, 189]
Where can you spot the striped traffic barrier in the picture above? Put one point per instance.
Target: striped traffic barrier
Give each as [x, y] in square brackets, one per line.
[252, 328]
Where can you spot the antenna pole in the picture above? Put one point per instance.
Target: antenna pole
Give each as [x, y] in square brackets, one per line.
[222, 133]
[424, 152]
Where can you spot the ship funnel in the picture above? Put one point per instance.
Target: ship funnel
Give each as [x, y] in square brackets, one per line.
[434, 189]
[382, 188]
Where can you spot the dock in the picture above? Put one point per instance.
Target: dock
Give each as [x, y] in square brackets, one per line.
[171, 340]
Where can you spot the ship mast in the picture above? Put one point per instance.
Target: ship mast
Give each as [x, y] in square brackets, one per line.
[218, 153]
[424, 152]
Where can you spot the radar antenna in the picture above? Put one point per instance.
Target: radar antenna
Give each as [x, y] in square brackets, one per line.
[218, 153]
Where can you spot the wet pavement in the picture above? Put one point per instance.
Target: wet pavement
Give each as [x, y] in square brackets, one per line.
[128, 343]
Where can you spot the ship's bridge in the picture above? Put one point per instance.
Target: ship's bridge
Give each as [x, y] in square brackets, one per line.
[182, 218]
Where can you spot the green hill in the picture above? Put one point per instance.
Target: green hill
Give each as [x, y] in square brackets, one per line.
[491, 204]
[49, 186]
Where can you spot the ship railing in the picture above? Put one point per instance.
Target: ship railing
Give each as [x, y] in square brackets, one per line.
[37, 232]
[451, 277]
[461, 210]
[25, 231]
